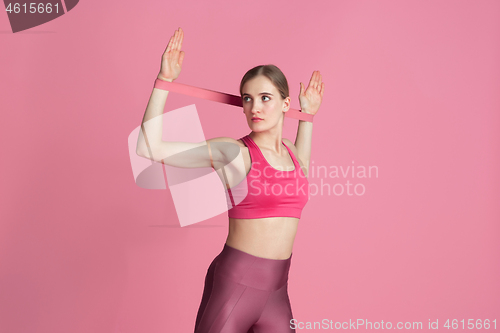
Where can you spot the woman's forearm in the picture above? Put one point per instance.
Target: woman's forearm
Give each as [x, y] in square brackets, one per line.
[303, 142]
[310, 101]
[150, 134]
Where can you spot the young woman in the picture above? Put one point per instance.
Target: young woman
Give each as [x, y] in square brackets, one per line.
[246, 284]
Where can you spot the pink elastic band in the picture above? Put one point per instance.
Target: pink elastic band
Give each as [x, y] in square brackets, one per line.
[219, 97]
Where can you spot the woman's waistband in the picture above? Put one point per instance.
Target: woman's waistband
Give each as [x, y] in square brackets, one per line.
[252, 271]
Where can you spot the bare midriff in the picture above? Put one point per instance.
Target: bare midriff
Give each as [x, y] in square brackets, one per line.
[270, 237]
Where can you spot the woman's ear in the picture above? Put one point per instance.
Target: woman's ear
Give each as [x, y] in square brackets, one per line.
[286, 105]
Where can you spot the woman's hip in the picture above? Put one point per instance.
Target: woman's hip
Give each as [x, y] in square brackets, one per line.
[250, 270]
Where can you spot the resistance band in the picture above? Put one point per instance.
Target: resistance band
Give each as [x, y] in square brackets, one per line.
[219, 97]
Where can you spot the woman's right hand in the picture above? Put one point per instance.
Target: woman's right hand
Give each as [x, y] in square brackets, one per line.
[172, 58]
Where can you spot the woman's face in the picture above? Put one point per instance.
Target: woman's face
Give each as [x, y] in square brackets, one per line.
[261, 99]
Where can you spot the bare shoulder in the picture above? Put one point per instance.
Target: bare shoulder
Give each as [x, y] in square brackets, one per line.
[225, 149]
[291, 146]
[293, 149]
[227, 140]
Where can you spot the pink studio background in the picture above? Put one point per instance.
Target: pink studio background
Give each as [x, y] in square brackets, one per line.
[411, 87]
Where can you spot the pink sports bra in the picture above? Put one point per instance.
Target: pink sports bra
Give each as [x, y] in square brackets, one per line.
[268, 192]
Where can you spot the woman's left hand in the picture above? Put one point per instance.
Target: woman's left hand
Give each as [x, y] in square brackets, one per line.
[311, 98]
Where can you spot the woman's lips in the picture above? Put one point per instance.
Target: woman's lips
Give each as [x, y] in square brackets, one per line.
[256, 120]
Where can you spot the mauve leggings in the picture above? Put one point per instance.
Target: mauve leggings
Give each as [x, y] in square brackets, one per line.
[245, 294]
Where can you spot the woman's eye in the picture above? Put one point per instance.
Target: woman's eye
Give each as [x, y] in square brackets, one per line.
[246, 98]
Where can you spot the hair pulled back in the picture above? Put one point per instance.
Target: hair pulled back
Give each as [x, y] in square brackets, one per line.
[273, 73]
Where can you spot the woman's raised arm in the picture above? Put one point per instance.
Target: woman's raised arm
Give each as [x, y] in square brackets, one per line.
[310, 101]
[171, 64]
[179, 154]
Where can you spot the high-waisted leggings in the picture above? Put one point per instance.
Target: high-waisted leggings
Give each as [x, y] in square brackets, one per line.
[245, 294]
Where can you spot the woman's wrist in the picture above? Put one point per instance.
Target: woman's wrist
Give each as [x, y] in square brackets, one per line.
[164, 79]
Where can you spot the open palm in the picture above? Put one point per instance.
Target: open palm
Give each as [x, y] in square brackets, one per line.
[171, 62]
[310, 98]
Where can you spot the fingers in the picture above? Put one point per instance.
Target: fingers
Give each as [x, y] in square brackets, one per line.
[318, 81]
[175, 41]
[312, 80]
[181, 37]
[169, 46]
[319, 85]
[315, 81]
[178, 39]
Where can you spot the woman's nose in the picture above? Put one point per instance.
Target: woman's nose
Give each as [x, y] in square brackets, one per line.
[255, 108]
